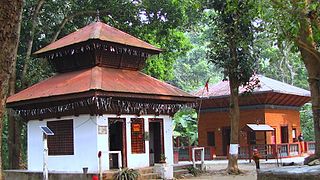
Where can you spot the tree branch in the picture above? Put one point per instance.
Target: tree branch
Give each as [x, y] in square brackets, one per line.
[34, 24]
[77, 14]
[311, 49]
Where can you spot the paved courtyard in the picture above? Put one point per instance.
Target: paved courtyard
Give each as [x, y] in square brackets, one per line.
[216, 169]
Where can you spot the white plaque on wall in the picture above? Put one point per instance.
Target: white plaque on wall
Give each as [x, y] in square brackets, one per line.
[102, 129]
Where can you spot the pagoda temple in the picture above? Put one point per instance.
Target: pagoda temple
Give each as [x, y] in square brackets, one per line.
[99, 101]
[268, 115]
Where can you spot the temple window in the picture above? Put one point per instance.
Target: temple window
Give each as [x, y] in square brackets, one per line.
[137, 136]
[61, 143]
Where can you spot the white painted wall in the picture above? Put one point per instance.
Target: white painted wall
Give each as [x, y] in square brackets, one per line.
[85, 146]
[103, 142]
[87, 143]
[137, 160]
[168, 133]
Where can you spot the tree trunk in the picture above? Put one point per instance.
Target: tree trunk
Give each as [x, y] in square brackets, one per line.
[234, 111]
[14, 129]
[234, 119]
[14, 126]
[311, 59]
[10, 17]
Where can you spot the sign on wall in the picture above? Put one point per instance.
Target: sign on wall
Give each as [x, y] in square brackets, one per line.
[102, 129]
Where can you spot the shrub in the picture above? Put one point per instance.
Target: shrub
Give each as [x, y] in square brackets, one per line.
[126, 174]
[194, 171]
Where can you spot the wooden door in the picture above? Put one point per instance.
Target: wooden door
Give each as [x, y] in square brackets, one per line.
[226, 132]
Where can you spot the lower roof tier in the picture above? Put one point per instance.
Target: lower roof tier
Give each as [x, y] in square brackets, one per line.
[107, 81]
[256, 99]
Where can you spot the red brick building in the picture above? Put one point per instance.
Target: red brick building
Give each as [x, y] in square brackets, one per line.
[273, 103]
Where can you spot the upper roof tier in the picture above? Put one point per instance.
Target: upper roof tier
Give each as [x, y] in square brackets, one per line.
[109, 82]
[98, 31]
[97, 44]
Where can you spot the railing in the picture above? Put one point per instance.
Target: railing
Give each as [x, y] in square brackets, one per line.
[267, 151]
[310, 147]
[185, 153]
[294, 149]
[270, 151]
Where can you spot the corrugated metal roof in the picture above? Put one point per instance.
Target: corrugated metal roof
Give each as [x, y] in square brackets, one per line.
[266, 85]
[100, 31]
[259, 127]
[98, 78]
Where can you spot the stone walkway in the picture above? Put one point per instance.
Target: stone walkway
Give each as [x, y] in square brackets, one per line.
[292, 172]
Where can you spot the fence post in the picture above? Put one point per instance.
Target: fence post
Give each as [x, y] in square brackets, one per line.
[249, 151]
[190, 153]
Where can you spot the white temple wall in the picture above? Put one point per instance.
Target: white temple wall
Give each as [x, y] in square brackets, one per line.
[85, 146]
[88, 142]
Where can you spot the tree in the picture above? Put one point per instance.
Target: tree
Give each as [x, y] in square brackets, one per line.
[280, 60]
[159, 22]
[10, 17]
[192, 70]
[231, 48]
[307, 122]
[299, 22]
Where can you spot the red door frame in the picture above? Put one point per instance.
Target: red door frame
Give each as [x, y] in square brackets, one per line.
[160, 120]
[124, 139]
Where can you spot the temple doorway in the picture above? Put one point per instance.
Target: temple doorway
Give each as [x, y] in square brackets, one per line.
[156, 147]
[117, 142]
[226, 132]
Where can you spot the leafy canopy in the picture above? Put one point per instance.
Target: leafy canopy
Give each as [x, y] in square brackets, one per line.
[232, 36]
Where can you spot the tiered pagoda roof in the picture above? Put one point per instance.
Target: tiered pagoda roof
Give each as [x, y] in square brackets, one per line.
[98, 71]
[268, 92]
[98, 31]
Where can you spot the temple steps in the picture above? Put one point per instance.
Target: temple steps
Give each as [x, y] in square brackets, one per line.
[145, 174]
[180, 171]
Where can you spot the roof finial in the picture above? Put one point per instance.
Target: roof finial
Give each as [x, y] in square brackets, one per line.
[98, 16]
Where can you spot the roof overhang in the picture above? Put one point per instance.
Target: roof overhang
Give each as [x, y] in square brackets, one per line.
[99, 93]
[94, 103]
[257, 127]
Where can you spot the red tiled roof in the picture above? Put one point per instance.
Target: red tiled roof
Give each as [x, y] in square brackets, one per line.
[99, 78]
[266, 85]
[100, 31]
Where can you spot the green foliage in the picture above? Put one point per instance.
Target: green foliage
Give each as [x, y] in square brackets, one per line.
[175, 44]
[195, 171]
[185, 126]
[306, 120]
[192, 70]
[280, 60]
[126, 174]
[161, 23]
[232, 37]
[282, 18]
[163, 158]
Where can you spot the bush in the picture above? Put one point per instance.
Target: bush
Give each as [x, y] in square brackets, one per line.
[195, 171]
[126, 174]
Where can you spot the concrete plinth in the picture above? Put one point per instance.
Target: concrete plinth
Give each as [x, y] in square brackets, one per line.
[290, 173]
[27, 175]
